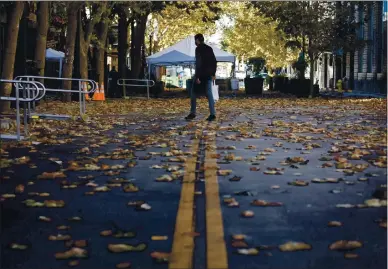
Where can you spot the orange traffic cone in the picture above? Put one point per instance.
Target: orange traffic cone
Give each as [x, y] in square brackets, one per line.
[85, 89]
[102, 92]
[96, 95]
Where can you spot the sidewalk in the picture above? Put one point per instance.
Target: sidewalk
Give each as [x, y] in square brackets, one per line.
[143, 175]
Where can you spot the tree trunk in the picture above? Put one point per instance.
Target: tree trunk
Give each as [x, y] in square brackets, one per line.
[86, 35]
[72, 18]
[351, 73]
[132, 51]
[312, 62]
[122, 49]
[10, 52]
[83, 61]
[122, 45]
[102, 35]
[41, 38]
[138, 44]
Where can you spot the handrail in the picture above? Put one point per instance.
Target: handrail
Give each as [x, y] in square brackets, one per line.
[81, 91]
[122, 83]
[18, 84]
[26, 98]
[92, 82]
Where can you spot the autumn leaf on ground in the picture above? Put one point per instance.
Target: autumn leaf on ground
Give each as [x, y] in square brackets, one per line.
[54, 203]
[52, 175]
[224, 172]
[130, 188]
[247, 214]
[118, 248]
[326, 180]
[123, 265]
[265, 203]
[345, 245]
[165, 178]
[72, 253]
[18, 246]
[294, 246]
[59, 237]
[249, 251]
[235, 178]
[160, 256]
[334, 224]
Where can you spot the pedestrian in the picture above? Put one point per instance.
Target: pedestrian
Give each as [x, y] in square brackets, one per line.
[205, 73]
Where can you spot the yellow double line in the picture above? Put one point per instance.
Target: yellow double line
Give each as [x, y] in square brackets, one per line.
[183, 244]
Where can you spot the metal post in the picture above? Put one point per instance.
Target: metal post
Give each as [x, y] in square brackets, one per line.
[149, 78]
[17, 115]
[80, 98]
[24, 108]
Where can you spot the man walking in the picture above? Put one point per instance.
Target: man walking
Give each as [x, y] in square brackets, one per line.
[205, 72]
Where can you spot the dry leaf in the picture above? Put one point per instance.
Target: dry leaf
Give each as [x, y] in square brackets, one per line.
[294, 246]
[345, 245]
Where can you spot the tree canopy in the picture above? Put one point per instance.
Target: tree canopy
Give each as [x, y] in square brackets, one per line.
[254, 35]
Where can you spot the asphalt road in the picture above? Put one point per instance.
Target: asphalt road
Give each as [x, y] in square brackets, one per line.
[302, 217]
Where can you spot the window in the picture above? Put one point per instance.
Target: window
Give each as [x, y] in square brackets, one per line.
[360, 36]
[371, 39]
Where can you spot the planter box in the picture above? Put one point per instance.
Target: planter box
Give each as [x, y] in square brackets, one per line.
[280, 84]
[254, 85]
[224, 84]
[301, 88]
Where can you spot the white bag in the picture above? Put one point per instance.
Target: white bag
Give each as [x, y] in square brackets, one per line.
[216, 97]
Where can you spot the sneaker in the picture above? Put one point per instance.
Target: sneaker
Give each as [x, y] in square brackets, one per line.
[191, 116]
[211, 118]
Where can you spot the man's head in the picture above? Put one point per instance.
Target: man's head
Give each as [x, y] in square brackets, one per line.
[199, 39]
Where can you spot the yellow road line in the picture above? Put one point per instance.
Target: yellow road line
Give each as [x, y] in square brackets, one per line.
[215, 245]
[183, 244]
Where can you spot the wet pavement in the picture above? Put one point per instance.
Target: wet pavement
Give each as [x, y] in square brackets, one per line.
[264, 133]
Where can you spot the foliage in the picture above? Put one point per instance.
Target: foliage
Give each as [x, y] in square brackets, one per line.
[181, 19]
[253, 35]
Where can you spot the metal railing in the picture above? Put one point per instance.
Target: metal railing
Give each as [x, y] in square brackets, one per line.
[81, 91]
[30, 94]
[132, 82]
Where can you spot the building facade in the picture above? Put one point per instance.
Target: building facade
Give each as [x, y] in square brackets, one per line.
[370, 62]
[365, 69]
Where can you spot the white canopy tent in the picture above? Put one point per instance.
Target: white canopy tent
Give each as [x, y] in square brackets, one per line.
[183, 52]
[57, 56]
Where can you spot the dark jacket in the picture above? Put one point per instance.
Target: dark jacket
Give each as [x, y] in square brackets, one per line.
[205, 62]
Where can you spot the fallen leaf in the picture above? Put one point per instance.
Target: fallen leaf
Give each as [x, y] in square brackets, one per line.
[73, 263]
[18, 246]
[59, 237]
[159, 237]
[106, 233]
[130, 188]
[52, 175]
[249, 251]
[294, 246]
[160, 256]
[72, 253]
[119, 248]
[239, 244]
[299, 183]
[345, 245]
[19, 188]
[247, 214]
[235, 178]
[334, 224]
[265, 203]
[351, 256]
[123, 265]
[224, 172]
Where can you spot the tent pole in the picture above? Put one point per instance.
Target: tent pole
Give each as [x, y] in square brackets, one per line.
[149, 78]
[60, 68]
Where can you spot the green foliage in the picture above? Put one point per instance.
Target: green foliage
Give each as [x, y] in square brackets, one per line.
[254, 35]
